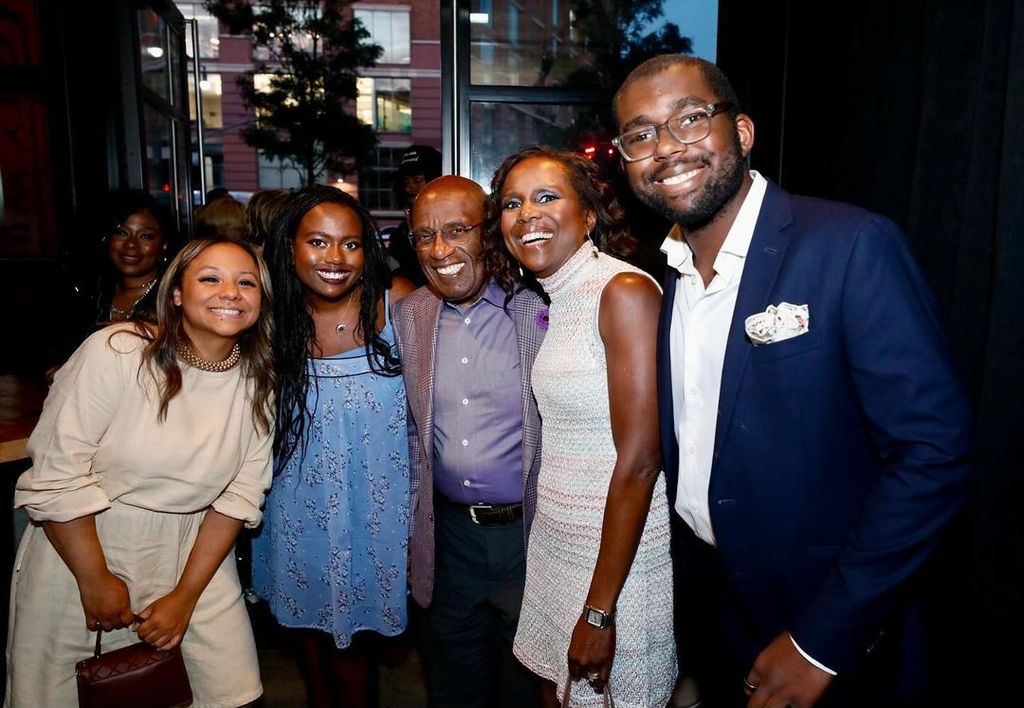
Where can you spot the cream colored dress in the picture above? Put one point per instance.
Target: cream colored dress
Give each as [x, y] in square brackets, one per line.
[570, 381]
[98, 448]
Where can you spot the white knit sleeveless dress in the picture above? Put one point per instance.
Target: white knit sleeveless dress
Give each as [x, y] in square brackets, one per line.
[570, 382]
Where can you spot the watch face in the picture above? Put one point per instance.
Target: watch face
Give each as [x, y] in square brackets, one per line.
[596, 618]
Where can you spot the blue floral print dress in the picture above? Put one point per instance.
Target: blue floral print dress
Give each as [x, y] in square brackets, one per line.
[331, 553]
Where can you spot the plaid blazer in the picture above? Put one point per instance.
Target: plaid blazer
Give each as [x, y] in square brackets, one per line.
[416, 319]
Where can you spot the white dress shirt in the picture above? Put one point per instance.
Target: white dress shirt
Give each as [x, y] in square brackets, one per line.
[700, 329]
[701, 318]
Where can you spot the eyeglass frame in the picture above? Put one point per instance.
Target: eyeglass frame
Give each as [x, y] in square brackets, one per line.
[711, 110]
[463, 229]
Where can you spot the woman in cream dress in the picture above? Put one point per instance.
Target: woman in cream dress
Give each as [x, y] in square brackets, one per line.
[152, 452]
[598, 598]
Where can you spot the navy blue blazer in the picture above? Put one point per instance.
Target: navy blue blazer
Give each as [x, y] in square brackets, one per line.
[840, 454]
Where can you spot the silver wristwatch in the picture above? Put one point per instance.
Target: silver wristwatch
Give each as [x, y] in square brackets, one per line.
[598, 618]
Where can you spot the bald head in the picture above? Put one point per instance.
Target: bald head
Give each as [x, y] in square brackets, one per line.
[445, 224]
[448, 189]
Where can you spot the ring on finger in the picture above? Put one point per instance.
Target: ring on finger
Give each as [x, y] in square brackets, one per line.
[593, 676]
[748, 687]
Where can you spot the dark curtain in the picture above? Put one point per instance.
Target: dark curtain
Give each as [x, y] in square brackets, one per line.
[915, 109]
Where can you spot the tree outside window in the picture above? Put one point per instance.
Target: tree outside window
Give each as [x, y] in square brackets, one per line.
[303, 109]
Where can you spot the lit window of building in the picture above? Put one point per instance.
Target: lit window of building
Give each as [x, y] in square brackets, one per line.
[390, 29]
[210, 86]
[385, 103]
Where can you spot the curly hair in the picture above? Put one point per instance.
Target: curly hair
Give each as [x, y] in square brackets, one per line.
[257, 357]
[295, 335]
[611, 230]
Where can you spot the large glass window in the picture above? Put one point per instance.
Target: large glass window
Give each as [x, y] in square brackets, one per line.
[164, 134]
[543, 71]
[499, 129]
[153, 53]
[209, 33]
[385, 103]
[389, 29]
[579, 43]
[159, 163]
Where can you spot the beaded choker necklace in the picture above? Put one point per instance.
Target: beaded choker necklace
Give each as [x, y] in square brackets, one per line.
[188, 355]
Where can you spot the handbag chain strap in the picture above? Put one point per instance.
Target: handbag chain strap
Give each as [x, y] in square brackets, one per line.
[606, 695]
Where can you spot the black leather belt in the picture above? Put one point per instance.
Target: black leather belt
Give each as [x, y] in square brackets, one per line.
[491, 514]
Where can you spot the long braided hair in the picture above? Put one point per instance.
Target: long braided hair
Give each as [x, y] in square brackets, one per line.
[295, 332]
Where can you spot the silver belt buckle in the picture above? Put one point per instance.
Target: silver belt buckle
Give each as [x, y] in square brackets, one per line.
[473, 508]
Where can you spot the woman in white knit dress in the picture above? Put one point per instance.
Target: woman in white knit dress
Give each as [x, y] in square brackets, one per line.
[598, 597]
[152, 451]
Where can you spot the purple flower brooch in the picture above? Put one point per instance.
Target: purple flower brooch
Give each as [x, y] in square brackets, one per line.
[542, 318]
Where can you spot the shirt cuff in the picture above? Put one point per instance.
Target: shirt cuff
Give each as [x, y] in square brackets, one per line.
[61, 506]
[238, 508]
[809, 658]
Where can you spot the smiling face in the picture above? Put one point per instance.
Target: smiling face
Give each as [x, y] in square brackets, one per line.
[688, 184]
[136, 245]
[328, 251]
[542, 219]
[456, 271]
[219, 297]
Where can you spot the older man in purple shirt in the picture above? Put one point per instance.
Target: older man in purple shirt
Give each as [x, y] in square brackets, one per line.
[468, 340]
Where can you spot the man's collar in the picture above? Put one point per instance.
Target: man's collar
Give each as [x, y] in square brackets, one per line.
[491, 294]
[677, 252]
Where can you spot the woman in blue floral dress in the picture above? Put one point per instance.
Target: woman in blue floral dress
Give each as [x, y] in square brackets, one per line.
[331, 555]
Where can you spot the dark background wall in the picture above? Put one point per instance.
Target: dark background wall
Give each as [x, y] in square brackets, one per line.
[915, 109]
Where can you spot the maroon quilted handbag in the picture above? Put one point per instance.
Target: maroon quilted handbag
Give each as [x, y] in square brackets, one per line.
[137, 676]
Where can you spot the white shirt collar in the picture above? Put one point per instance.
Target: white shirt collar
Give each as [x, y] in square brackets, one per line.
[734, 249]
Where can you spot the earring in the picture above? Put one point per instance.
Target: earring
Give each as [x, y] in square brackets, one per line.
[521, 273]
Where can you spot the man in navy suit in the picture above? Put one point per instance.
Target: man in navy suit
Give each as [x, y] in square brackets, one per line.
[816, 440]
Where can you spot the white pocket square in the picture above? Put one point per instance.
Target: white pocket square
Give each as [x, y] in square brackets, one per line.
[778, 323]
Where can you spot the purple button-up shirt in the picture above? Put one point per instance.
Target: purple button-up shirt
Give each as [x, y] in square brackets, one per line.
[478, 405]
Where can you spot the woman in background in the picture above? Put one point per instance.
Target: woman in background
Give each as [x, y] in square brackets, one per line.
[598, 598]
[137, 237]
[151, 453]
[331, 557]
